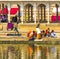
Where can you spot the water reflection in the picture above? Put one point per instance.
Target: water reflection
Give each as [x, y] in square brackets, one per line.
[29, 51]
[44, 52]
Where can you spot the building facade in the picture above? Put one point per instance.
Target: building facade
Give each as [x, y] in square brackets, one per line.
[34, 11]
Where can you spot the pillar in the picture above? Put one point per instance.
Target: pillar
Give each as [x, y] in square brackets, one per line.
[44, 13]
[19, 12]
[9, 12]
[34, 12]
[48, 9]
[22, 12]
[57, 12]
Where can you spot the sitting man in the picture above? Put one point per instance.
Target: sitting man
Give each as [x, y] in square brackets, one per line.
[31, 35]
[47, 32]
[38, 31]
[53, 34]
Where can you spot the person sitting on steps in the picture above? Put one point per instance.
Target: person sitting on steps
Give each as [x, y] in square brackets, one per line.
[38, 31]
[31, 35]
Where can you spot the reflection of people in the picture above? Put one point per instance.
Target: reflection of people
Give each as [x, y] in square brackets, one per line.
[38, 52]
[30, 52]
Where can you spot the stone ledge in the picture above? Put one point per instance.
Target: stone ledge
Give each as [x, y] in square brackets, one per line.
[32, 42]
[30, 0]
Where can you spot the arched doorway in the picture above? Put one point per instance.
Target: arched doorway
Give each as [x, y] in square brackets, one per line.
[55, 14]
[15, 16]
[4, 13]
[42, 13]
[29, 13]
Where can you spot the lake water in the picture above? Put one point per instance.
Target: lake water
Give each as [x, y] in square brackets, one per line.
[29, 51]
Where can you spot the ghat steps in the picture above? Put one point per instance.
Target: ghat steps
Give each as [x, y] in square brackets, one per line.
[24, 28]
[53, 26]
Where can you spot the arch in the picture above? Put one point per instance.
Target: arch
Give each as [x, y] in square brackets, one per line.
[41, 5]
[29, 5]
[18, 14]
[28, 13]
[4, 13]
[55, 13]
[42, 12]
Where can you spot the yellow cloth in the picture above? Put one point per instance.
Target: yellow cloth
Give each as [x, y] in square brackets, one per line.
[38, 36]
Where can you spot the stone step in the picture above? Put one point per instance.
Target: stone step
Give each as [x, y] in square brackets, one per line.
[12, 38]
[43, 26]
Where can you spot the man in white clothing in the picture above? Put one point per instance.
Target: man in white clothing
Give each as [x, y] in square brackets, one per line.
[38, 31]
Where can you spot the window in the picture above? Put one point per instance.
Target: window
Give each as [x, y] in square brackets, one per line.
[42, 13]
[29, 13]
[55, 14]
[15, 13]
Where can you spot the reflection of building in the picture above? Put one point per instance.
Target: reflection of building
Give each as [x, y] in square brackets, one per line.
[20, 51]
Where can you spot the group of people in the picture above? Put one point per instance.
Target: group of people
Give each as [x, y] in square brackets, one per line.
[3, 18]
[48, 33]
[38, 34]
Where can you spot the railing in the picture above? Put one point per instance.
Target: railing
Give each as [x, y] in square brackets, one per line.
[29, 50]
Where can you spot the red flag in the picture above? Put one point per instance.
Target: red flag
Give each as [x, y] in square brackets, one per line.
[13, 11]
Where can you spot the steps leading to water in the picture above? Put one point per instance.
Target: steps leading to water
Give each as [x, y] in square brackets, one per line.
[24, 28]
